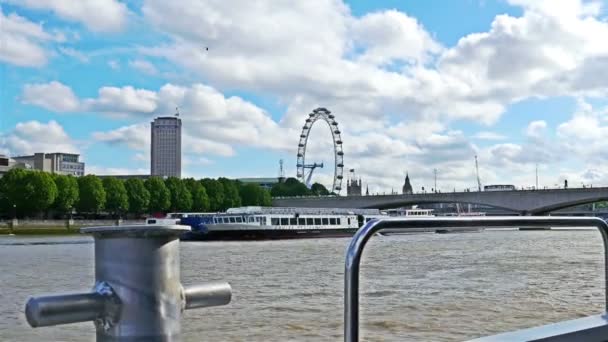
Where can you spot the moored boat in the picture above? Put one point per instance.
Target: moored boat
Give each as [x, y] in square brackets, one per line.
[262, 223]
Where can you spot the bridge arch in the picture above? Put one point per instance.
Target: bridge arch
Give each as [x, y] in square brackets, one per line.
[407, 202]
[553, 207]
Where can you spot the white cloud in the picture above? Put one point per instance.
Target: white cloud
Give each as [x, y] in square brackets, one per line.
[337, 57]
[134, 136]
[97, 15]
[536, 129]
[584, 135]
[53, 96]
[35, 136]
[22, 42]
[143, 66]
[124, 100]
[102, 170]
[212, 123]
[114, 64]
[488, 135]
[391, 36]
[70, 52]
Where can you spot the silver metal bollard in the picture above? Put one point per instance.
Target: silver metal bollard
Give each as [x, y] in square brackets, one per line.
[138, 294]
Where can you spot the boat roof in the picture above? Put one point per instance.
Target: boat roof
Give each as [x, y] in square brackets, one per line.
[289, 210]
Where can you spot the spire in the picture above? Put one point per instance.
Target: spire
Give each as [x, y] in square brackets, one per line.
[367, 190]
[407, 186]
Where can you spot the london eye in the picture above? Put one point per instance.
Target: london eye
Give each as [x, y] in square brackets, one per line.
[305, 171]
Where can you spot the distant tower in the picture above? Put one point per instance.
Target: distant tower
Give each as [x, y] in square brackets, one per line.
[166, 146]
[281, 172]
[353, 187]
[407, 187]
[367, 190]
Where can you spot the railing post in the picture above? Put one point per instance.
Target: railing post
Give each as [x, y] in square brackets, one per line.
[138, 293]
[362, 236]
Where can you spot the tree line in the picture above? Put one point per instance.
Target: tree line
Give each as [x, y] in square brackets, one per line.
[292, 187]
[28, 193]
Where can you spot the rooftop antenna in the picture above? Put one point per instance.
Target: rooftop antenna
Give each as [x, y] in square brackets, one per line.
[477, 171]
[177, 111]
[281, 170]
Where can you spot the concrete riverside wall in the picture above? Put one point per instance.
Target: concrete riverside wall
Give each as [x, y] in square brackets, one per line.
[62, 223]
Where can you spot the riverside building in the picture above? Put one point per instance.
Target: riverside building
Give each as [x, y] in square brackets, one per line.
[166, 147]
[61, 163]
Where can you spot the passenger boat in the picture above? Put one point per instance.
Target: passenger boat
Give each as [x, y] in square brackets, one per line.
[414, 213]
[261, 223]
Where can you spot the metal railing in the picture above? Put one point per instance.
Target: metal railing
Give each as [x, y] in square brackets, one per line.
[362, 236]
[137, 294]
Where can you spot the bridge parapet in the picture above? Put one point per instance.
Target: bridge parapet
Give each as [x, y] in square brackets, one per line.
[520, 201]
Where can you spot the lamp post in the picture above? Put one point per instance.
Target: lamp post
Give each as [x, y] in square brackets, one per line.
[14, 220]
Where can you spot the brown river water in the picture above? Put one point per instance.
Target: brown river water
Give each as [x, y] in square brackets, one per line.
[424, 287]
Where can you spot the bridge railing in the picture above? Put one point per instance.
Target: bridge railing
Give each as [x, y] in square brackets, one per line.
[594, 328]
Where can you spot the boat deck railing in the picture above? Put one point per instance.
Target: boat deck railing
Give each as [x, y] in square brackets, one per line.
[593, 328]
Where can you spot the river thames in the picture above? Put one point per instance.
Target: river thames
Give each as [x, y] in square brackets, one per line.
[425, 287]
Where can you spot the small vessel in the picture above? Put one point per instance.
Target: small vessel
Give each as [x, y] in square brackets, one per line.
[414, 213]
[263, 223]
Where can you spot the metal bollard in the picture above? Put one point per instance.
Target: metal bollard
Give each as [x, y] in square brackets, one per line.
[137, 294]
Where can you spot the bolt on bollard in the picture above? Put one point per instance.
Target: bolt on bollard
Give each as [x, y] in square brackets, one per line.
[137, 294]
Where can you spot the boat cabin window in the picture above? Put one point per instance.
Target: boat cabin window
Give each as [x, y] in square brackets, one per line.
[332, 221]
[274, 221]
[317, 221]
[301, 221]
[264, 220]
[239, 219]
[151, 221]
[293, 221]
[309, 221]
[284, 221]
[325, 221]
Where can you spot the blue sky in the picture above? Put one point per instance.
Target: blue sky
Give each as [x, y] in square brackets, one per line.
[415, 86]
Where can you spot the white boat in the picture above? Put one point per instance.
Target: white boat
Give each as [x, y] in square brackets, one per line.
[251, 223]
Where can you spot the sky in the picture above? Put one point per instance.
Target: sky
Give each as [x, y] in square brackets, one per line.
[417, 87]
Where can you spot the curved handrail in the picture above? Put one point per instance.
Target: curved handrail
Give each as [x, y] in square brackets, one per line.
[362, 236]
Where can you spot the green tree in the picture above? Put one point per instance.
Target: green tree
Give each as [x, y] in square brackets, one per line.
[139, 196]
[160, 197]
[251, 194]
[215, 192]
[291, 187]
[232, 198]
[181, 198]
[92, 196]
[266, 200]
[200, 200]
[40, 191]
[318, 189]
[67, 193]
[117, 200]
[12, 192]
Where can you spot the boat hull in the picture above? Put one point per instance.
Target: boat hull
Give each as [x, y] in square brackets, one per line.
[267, 234]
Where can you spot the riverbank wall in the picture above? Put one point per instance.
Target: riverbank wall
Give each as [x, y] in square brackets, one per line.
[35, 227]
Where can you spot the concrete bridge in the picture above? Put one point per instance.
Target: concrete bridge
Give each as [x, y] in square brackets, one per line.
[524, 202]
